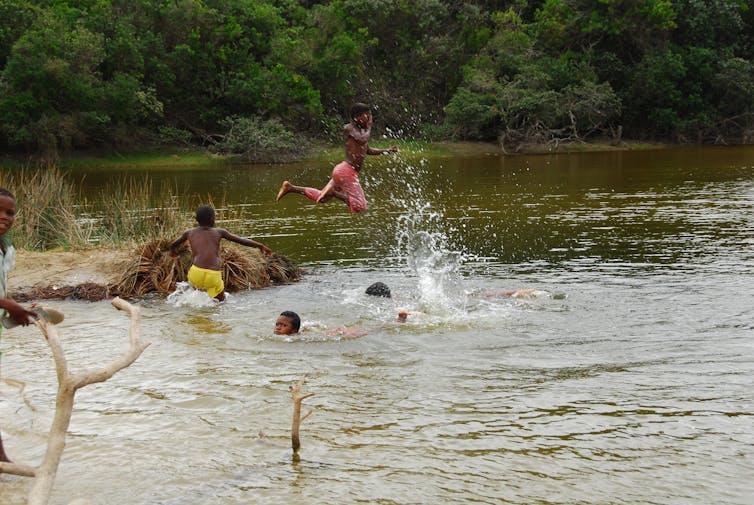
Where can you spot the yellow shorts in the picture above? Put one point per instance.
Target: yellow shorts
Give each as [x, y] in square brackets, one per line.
[209, 280]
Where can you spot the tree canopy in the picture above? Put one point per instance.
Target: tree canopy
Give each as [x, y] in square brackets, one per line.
[89, 73]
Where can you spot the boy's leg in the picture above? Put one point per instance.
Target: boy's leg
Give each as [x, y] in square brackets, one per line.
[311, 193]
[354, 195]
[327, 192]
[346, 180]
[357, 202]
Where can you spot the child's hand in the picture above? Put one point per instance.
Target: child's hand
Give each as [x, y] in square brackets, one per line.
[393, 149]
[173, 253]
[18, 314]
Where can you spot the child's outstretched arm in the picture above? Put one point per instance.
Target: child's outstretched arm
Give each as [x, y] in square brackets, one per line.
[177, 242]
[389, 150]
[244, 241]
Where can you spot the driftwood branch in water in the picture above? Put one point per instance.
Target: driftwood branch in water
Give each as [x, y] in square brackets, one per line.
[68, 384]
[297, 417]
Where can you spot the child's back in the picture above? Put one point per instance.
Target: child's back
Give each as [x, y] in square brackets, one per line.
[205, 272]
[205, 246]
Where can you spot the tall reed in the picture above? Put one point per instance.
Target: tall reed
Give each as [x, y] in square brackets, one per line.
[53, 214]
[132, 210]
[46, 205]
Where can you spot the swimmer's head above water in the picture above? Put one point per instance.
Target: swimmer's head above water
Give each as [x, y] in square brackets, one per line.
[378, 289]
[288, 323]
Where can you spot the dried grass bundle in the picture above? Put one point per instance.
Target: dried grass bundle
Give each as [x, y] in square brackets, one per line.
[155, 270]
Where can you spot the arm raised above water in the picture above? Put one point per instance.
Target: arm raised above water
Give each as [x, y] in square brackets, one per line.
[244, 241]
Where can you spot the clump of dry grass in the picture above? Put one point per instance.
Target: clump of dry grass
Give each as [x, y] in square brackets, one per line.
[153, 269]
[132, 211]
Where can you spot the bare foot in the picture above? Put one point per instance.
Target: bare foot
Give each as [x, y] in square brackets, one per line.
[325, 193]
[284, 189]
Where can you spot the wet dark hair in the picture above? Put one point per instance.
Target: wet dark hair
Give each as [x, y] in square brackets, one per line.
[205, 215]
[293, 318]
[359, 108]
[378, 289]
[5, 192]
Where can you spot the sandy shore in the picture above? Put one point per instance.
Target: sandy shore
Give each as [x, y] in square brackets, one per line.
[67, 268]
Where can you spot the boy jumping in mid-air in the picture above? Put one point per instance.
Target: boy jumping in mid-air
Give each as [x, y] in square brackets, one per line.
[344, 184]
[205, 272]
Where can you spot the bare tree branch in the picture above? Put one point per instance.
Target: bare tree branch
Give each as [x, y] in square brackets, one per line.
[16, 469]
[68, 384]
[297, 418]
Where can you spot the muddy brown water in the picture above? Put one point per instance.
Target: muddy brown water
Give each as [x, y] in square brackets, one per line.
[628, 380]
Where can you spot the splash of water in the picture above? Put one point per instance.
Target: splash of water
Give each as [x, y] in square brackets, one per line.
[423, 244]
[186, 295]
[435, 264]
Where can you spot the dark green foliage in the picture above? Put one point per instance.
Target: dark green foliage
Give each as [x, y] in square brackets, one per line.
[256, 139]
[514, 93]
[87, 73]
[17, 16]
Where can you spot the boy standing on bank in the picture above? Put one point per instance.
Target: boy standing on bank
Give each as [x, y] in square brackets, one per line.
[15, 312]
[205, 272]
[344, 184]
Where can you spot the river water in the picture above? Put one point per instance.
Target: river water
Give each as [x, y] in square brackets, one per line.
[627, 380]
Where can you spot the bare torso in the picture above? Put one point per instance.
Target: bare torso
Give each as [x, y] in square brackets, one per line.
[205, 246]
[357, 144]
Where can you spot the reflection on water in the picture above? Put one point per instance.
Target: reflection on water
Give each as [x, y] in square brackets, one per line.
[630, 384]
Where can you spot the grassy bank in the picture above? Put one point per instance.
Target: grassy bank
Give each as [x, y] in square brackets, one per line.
[53, 214]
[179, 157]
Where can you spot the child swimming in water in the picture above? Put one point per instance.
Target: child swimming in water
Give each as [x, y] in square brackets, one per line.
[288, 323]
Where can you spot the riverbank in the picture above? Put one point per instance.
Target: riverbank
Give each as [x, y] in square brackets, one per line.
[99, 273]
[55, 270]
[178, 157]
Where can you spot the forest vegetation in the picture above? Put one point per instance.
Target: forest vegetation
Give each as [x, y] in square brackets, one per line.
[259, 77]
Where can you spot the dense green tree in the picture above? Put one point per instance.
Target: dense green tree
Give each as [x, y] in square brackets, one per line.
[82, 73]
[54, 94]
[514, 92]
[17, 16]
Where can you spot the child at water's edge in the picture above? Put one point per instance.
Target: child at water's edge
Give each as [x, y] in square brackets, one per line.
[288, 323]
[205, 272]
[344, 183]
[16, 312]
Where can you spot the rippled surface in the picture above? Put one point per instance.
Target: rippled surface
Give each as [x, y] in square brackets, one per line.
[629, 383]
